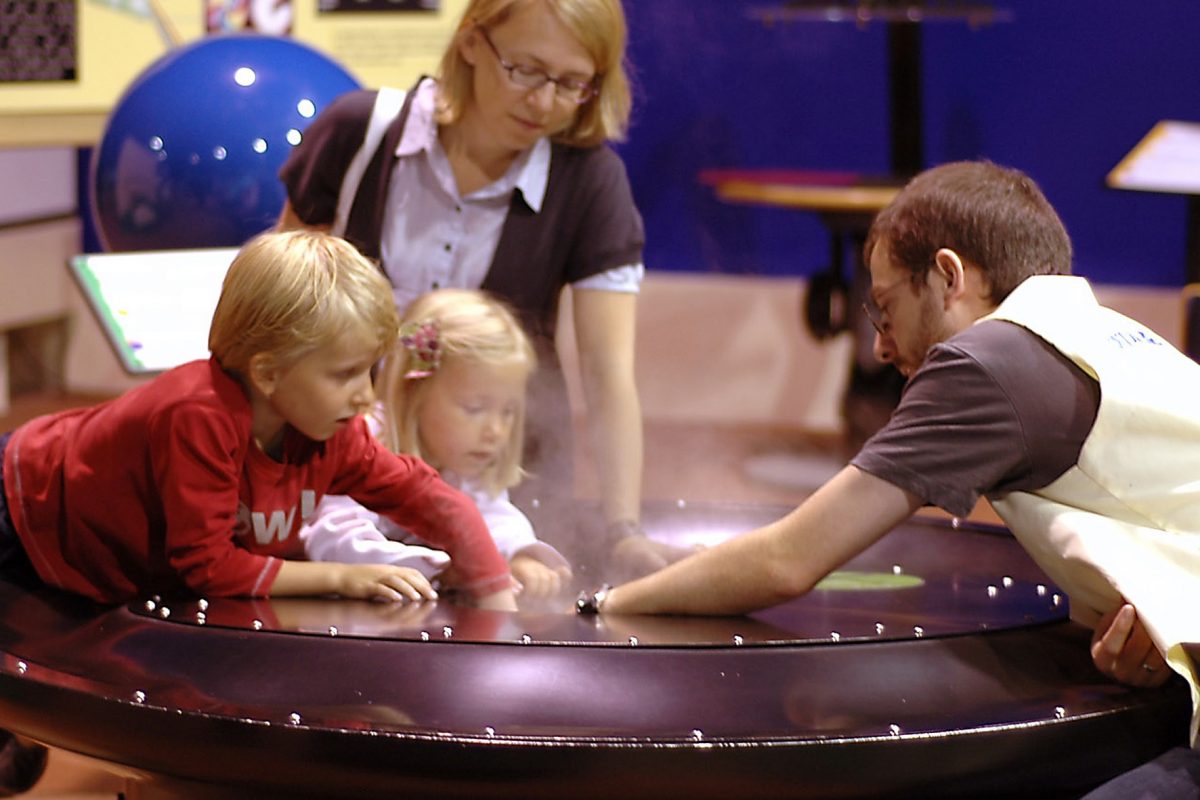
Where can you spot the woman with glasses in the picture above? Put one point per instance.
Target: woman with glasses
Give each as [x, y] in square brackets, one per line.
[497, 175]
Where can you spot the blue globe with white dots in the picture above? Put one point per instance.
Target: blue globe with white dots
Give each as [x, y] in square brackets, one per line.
[191, 152]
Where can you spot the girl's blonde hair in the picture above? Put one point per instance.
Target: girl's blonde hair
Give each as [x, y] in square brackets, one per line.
[598, 24]
[288, 293]
[471, 325]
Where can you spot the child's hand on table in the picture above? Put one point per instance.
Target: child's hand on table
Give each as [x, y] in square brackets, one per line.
[384, 582]
[536, 578]
[503, 600]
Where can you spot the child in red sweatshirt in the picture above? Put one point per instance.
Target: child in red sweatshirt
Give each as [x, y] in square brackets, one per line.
[197, 482]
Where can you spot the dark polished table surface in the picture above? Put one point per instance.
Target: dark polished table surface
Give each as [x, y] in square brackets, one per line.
[938, 663]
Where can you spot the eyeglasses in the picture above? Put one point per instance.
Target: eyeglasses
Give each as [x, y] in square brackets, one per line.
[532, 78]
[875, 314]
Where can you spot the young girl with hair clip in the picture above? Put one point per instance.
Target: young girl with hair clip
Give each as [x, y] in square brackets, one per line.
[497, 174]
[453, 394]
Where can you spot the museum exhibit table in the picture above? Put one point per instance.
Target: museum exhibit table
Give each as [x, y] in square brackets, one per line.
[938, 663]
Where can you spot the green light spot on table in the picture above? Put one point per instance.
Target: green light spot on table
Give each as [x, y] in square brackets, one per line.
[850, 581]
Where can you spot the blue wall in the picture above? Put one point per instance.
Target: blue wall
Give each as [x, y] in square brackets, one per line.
[1062, 91]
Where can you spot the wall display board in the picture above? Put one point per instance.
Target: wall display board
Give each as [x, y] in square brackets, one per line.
[68, 61]
[1167, 159]
[136, 299]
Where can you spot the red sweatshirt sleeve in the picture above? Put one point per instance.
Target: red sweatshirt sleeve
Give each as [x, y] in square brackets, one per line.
[412, 494]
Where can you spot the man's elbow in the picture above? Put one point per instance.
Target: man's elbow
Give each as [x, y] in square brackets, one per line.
[785, 580]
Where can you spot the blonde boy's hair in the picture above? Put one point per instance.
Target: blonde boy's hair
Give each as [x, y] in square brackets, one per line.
[286, 294]
[599, 25]
[472, 325]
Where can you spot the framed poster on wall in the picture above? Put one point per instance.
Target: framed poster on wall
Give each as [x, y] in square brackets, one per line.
[41, 42]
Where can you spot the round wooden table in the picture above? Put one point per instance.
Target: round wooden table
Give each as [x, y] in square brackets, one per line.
[938, 663]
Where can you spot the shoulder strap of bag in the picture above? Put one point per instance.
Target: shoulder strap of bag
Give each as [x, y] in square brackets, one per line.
[388, 103]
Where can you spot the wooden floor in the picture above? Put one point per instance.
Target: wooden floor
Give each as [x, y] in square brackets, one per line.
[691, 462]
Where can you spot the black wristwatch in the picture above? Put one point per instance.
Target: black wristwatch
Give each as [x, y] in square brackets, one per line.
[592, 602]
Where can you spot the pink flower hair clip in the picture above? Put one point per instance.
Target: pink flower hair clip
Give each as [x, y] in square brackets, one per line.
[420, 339]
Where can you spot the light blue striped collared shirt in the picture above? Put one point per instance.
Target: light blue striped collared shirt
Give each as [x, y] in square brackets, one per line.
[433, 237]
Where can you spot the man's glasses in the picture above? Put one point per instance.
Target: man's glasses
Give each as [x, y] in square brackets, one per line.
[875, 314]
[532, 78]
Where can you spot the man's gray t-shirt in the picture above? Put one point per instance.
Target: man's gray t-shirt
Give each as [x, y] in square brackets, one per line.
[995, 409]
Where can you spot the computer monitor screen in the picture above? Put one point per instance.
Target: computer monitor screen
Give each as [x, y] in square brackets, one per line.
[154, 306]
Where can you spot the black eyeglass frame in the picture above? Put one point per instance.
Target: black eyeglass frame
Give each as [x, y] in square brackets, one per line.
[875, 313]
[875, 317]
[532, 79]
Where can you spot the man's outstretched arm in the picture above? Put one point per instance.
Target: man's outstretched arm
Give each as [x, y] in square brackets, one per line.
[778, 561]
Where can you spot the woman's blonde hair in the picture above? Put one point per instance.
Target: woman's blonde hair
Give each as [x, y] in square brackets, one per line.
[599, 25]
[288, 293]
[470, 325]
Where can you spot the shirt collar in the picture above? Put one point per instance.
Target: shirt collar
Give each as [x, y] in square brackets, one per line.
[420, 130]
[529, 174]
[535, 174]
